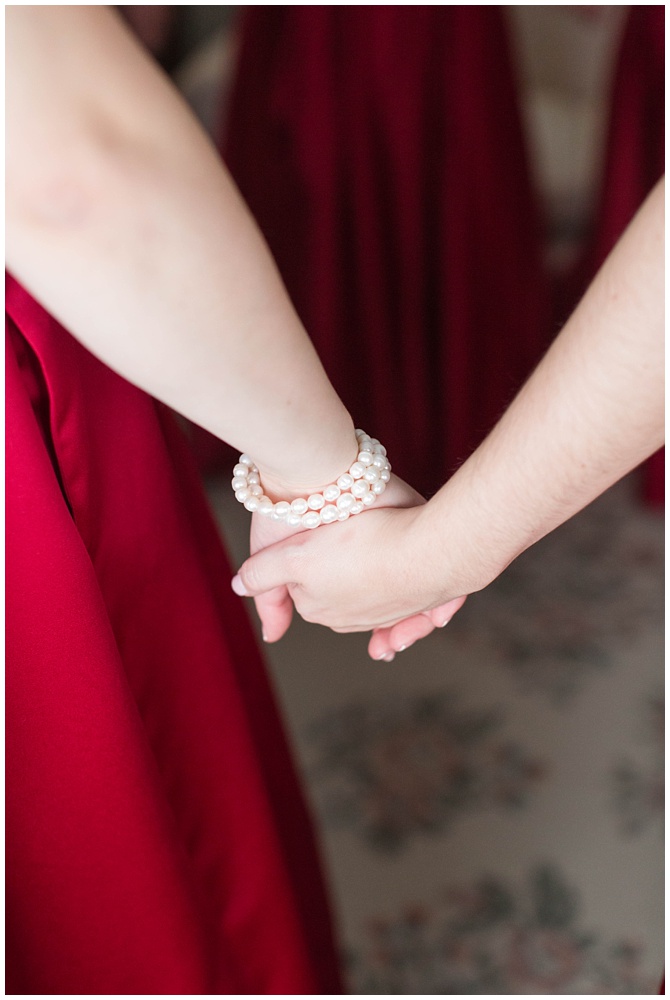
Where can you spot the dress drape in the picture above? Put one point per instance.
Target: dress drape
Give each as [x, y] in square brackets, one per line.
[157, 841]
[381, 151]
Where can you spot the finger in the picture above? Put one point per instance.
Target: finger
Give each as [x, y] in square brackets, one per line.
[263, 571]
[387, 641]
[275, 610]
[397, 637]
[443, 614]
[379, 647]
[409, 631]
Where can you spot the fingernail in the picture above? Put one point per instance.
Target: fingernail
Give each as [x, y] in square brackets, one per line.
[265, 638]
[238, 586]
[388, 657]
[401, 649]
[446, 621]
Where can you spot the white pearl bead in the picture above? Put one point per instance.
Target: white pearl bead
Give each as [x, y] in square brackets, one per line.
[360, 488]
[346, 481]
[354, 490]
[329, 513]
[345, 501]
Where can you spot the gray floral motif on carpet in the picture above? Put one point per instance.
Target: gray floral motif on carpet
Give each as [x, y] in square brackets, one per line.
[639, 784]
[392, 771]
[555, 614]
[495, 937]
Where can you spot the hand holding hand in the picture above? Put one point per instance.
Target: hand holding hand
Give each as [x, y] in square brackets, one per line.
[359, 575]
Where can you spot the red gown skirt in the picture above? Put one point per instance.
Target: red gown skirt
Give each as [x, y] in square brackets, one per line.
[157, 841]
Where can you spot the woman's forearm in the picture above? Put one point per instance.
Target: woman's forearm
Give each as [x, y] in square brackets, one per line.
[122, 221]
[591, 412]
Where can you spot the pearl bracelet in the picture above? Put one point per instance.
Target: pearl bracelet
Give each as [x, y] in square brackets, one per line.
[353, 492]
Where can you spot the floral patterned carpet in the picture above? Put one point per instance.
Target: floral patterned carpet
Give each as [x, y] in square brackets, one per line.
[490, 804]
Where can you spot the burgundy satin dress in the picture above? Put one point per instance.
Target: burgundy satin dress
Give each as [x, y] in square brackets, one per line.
[382, 153]
[157, 840]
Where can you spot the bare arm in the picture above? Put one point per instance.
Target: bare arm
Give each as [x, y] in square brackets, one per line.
[122, 221]
[591, 411]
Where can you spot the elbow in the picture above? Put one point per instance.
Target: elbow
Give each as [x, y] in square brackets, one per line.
[70, 187]
[61, 197]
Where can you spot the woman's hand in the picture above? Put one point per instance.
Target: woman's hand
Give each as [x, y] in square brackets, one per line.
[347, 575]
[274, 607]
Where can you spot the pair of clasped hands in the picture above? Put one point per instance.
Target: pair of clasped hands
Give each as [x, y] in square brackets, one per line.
[592, 410]
[362, 574]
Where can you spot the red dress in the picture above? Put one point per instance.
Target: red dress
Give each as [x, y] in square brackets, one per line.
[157, 841]
[382, 153]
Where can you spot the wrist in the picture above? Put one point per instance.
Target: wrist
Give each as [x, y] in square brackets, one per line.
[314, 477]
[452, 542]
[314, 467]
[350, 493]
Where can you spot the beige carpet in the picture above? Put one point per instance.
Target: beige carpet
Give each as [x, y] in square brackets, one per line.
[490, 804]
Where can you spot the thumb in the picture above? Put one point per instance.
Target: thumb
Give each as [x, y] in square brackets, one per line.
[275, 610]
[263, 571]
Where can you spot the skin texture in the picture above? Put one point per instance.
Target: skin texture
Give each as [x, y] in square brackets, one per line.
[591, 412]
[123, 222]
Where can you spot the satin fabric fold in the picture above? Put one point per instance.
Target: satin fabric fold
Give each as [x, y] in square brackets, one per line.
[157, 840]
[381, 151]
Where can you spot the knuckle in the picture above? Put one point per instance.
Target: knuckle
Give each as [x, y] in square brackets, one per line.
[250, 576]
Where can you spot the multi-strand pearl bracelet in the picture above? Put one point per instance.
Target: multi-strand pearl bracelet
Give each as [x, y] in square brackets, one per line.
[353, 492]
